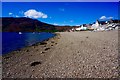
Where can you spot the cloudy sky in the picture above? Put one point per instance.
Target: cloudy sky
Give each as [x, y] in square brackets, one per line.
[64, 13]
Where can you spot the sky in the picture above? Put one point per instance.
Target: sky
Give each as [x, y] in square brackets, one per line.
[60, 0]
[62, 13]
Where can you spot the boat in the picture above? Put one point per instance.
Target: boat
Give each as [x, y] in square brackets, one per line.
[20, 32]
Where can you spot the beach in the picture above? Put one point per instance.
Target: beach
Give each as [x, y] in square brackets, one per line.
[82, 54]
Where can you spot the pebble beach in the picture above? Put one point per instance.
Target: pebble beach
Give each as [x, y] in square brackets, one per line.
[82, 54]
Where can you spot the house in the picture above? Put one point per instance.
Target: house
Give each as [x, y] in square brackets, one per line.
[95, 25]
[78, 29]
[82, 28]
[113, 26]
[114, 21]
[99, 25]
[89, 27]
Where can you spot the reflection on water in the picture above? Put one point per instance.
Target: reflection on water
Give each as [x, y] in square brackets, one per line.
[12, 40]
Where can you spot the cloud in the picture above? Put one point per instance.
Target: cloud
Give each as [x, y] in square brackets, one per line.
[77, 25]
[55, 24]
[16, 16]
[44, 16]
[10, 13]
[13, 15]
[64, 24]
[104, 17]
[34, 14]
[110, 17]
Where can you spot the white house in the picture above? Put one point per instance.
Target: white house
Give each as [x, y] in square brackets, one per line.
[96, 25]
[78, 29]
[81, 28]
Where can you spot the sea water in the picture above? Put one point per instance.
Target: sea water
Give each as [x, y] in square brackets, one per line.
[12, 41]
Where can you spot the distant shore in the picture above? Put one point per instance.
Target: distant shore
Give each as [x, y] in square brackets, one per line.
[69, 54]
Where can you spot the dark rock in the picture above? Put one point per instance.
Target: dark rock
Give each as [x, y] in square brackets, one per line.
[52, 41]
[81, 41]
[104, 48]
[7, 57]
[19, 49]
[87, 37]
[33, 70]
[44, 46]
[55, 43]
[47, 49]
[27, 50]
[47, 40]
[43, 43]
[35, 63]
[33, 46]
[37, 49]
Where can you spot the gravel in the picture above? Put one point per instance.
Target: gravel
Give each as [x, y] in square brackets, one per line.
[75, 55]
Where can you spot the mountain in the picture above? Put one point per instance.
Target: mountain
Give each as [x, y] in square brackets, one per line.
[23, 24]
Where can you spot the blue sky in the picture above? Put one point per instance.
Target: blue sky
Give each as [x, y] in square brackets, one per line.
[62, 13]
[60, 0]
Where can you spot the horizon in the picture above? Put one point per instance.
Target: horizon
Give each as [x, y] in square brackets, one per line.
[61, 25]
[62, 13]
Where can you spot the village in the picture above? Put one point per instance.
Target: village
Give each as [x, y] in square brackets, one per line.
[98, 26]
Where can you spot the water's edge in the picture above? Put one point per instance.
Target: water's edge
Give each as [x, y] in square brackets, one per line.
[37, 43]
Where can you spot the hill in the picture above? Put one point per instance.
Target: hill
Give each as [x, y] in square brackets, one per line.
[23, 24]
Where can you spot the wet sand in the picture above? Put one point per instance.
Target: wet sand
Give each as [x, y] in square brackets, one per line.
[68, 55]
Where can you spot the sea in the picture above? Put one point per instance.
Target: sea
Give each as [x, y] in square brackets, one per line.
[12, 41]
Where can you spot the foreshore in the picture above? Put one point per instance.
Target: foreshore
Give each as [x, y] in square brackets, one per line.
[67, 55]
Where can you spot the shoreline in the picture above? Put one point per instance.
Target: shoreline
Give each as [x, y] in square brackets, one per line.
[41, 49]
[69, 54]
[25, 48]
[19, 49]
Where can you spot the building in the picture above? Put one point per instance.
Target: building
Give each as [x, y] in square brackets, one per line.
[82, 28]
[99, 25]
[95, 25]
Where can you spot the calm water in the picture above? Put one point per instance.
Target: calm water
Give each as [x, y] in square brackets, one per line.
[12, 40]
